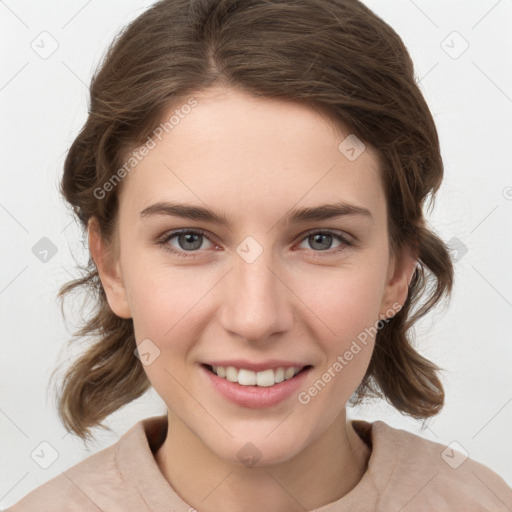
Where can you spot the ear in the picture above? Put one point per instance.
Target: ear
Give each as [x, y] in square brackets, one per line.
[109, 270]
[400, 273]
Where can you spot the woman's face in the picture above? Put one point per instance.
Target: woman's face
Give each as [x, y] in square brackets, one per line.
[264, 288]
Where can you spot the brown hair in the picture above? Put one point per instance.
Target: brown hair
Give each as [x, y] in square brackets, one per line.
[335, 56]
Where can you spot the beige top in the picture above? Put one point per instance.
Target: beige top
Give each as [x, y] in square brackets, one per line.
[405, 473]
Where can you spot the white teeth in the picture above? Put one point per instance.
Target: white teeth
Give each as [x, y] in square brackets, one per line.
[232, 374]
[246, 377]
[265, 378]
[279, 375]
[289, 373]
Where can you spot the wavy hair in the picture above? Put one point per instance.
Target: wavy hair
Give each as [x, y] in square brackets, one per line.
[335, 56]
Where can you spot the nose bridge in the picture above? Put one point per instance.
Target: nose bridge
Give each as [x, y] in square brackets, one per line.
[256, 303]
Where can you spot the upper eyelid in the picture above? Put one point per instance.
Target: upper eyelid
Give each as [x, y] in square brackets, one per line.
[168, 235]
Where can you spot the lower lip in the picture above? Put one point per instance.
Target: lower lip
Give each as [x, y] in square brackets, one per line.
[255, 396]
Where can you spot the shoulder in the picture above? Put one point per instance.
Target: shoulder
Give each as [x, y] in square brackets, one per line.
[96, 483]
[76, 487]
[413, 473]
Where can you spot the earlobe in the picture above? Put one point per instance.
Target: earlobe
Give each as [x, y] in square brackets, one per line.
[109, 270]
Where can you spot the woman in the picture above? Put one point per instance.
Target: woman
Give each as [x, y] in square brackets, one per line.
[288, 143]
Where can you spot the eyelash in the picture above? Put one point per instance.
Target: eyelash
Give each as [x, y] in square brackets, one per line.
[164, 239]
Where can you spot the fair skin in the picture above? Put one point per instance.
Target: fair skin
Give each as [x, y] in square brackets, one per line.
[254, 160]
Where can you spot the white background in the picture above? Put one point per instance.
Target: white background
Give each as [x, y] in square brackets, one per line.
[44, 104]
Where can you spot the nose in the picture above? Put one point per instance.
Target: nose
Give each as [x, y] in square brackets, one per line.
[257, 301]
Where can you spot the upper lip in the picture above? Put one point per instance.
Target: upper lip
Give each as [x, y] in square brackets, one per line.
[257, 367]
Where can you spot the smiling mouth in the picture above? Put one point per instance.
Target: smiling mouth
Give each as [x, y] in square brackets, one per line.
[265, 378]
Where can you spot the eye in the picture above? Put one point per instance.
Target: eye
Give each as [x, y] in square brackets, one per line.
[321, 241]
[190, 241]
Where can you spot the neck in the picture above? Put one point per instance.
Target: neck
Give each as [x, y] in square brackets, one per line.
[324, 472]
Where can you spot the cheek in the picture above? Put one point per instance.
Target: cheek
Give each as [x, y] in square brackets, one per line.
[162, 305]
[346, 335]
[345, 301]
[346, 304]
[165, 303]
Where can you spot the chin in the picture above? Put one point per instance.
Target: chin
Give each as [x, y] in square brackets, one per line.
[258, 448]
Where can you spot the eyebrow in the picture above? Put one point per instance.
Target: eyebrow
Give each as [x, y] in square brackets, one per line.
[304, 214]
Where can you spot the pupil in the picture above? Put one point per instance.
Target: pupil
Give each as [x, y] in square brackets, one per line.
[189, 238]
[320, 236]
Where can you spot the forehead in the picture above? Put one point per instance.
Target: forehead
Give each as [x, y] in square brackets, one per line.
[250, 154]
